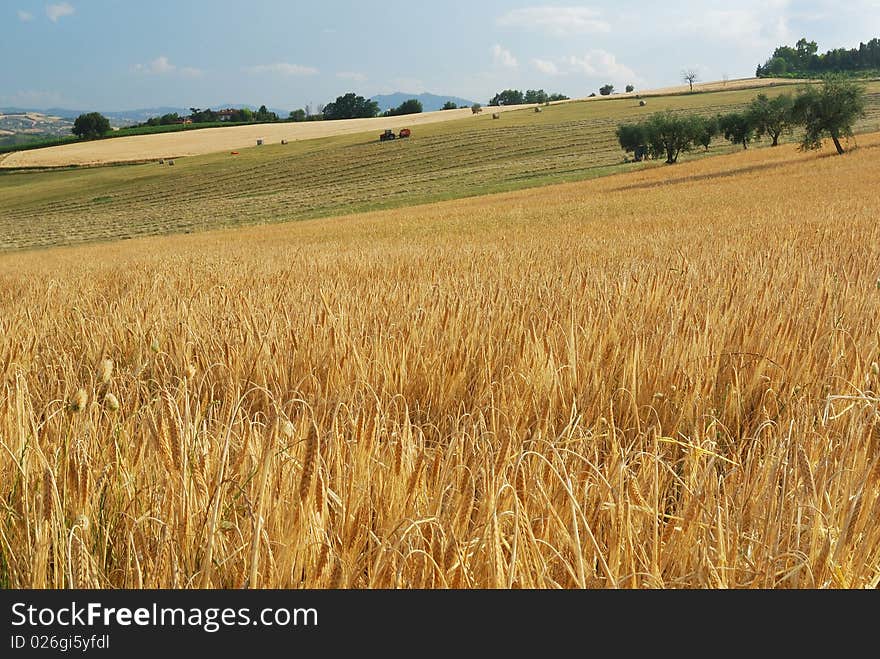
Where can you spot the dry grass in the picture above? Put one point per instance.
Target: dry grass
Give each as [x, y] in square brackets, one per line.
[722, 85]
[335, 176]
[215, 140]
[666, 379]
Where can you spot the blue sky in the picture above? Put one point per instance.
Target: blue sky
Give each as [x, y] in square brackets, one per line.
[122, 54]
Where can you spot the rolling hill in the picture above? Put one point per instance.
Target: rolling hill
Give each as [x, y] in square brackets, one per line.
[337, 174]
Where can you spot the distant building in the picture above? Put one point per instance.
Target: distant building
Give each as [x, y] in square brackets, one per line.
[227, 115]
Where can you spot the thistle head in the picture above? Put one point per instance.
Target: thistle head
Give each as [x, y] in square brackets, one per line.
[78, 401]
[105, 370]
[111, 402]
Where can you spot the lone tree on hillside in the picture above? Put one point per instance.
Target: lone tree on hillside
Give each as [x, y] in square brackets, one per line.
[830, 109]
[772, 116]
[690, 76]
[476, 108]
[630, 88]
[351, 106]
[91, 126]
[606, 90]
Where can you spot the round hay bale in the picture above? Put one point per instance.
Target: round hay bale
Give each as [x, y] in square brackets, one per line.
[642, 103]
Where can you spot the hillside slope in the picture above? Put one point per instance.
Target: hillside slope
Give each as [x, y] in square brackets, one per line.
[343, 174]
[215, 140]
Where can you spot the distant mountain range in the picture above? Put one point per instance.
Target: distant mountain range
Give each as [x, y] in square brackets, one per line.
[430, 102]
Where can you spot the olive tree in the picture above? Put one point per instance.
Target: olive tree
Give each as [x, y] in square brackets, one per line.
[737, 127]
[829, 110]
[633, 139]
[670, 134]
[772, 116]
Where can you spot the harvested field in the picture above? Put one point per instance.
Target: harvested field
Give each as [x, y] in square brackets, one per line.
[175, 145]
[570, 141]
[664, 379]
[720, 85]
[213, 140]
[339, 175]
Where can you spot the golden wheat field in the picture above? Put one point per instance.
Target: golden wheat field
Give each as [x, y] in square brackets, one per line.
[667, 379]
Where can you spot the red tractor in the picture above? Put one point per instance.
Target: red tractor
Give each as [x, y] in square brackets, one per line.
[389, 135]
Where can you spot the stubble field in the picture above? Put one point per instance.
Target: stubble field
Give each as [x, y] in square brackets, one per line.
[343, 174]
[200, 142]
[665, 379]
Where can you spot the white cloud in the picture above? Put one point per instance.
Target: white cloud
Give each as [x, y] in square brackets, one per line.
[596, 63]
[163, 66]
[764, 24]
[25, 16]
[558, 21]
[56, 12]
[503, 57]
[600, 63]
[282, 68]
[546, 67]
[160, 66]
[351, 75]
